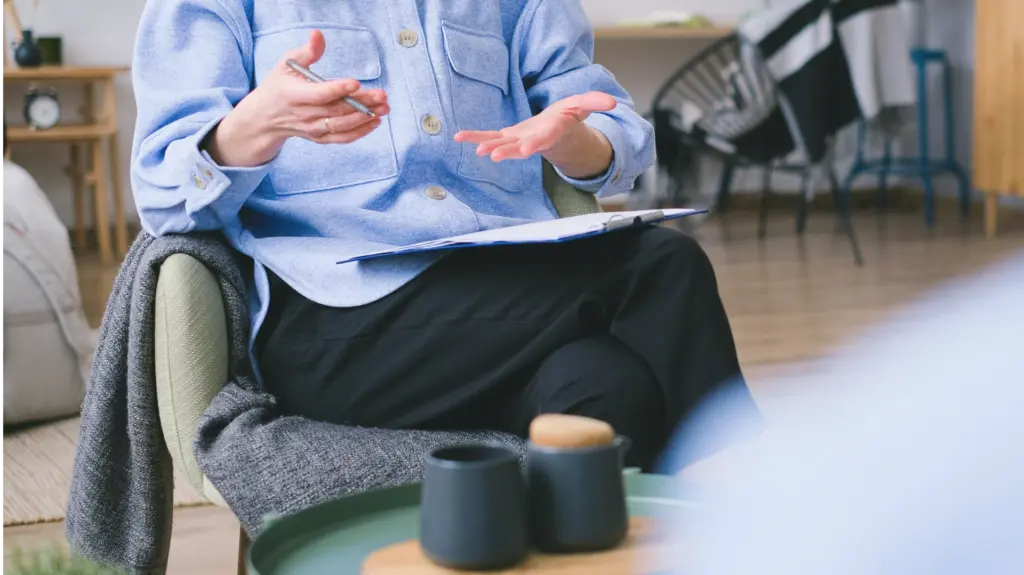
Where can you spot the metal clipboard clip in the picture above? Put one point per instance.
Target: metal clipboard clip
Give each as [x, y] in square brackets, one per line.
[618, 222]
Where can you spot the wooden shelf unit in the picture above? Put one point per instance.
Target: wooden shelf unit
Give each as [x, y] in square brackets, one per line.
[62, 73]
[93, 148]
[61, 133]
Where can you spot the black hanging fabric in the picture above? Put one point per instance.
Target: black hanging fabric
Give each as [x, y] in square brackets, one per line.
[827, 82]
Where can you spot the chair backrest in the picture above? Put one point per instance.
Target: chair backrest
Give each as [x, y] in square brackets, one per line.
[568, 201]
[723, 92]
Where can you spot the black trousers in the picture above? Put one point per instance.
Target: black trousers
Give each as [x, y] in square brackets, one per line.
[626, 327]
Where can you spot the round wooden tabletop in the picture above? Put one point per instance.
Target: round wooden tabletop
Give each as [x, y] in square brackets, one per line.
[642, 552]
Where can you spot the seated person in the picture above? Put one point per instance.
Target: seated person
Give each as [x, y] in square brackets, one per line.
[468, 97]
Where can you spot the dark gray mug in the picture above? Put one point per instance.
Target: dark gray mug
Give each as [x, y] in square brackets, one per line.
[473, 508]
[577, 496]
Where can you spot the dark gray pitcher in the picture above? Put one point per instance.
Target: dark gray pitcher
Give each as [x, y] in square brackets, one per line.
[577, 496]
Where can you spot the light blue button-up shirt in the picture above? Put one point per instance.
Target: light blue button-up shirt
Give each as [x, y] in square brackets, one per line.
[472, 65]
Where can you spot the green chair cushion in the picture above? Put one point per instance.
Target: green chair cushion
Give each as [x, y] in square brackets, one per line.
[568, 201]
[191, 353]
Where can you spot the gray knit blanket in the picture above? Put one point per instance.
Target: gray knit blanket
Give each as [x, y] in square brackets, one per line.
[261, 462]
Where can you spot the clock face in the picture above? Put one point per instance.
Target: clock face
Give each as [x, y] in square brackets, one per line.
[43, 112]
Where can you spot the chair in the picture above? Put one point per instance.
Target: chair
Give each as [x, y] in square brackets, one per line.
[922, 166]
[191, 347]
[725, 102]
[718, 102]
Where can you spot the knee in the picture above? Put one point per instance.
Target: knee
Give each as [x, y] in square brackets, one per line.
[624, 386]
[667, 245]
[670, 240]
[599, 377]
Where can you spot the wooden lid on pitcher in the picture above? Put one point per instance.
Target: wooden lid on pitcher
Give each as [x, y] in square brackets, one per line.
[570, 431]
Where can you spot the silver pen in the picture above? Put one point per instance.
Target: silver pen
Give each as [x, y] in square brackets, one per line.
[313, 77]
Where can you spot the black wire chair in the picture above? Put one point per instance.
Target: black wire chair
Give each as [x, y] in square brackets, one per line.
[724, 102]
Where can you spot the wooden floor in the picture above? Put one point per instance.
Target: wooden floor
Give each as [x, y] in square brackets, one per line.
[788, 299]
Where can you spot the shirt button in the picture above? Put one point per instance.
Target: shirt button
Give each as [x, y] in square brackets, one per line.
[431, 124]
[199, 182]
[436, 193]
[408, 37]
[616, 176]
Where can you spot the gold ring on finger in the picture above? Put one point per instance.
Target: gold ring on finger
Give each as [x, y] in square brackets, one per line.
[327, 124]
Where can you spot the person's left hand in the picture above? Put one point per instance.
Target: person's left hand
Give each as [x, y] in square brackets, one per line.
[544, 132]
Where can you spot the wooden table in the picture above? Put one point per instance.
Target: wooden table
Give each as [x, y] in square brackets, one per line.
[646, 549]
[99, 127]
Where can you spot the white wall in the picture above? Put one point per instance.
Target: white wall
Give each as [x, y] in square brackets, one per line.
[102, 32]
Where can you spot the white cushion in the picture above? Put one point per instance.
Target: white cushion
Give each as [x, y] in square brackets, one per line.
[48, 344]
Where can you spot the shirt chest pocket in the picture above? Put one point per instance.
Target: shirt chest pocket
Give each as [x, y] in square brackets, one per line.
[304, 166]
[480, 100]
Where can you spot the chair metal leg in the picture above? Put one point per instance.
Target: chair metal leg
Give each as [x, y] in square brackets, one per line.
[842, 205]
[947, 89]
[965, 190]
[847, 184]
[861, 165]
[922, 145]
[766, 190]
[929, 196]
[951, 162]
[243, 549]
[725, 185]
[883, 177]
[677, 179]
[805, 192]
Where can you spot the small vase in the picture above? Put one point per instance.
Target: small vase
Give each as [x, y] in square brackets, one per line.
[27, 54]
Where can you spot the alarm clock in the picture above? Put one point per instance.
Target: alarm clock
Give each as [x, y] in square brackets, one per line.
[42, 109]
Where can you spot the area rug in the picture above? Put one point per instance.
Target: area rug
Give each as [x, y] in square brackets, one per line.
[37, 474]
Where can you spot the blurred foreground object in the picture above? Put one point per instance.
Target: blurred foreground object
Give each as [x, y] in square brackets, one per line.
[903, 455]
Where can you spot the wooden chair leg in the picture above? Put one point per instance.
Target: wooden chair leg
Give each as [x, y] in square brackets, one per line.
[243, 548]
[120, 228]
[991, 214]
[99, 182]
[78, 194]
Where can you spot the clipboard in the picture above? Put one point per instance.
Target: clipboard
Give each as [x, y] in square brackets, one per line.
[549, 231]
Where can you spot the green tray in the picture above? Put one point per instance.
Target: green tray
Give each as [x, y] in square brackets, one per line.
[336, 537]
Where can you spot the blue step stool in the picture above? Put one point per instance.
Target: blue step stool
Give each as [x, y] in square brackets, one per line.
[922, 166]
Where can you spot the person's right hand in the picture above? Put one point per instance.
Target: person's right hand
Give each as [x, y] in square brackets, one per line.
[286, 105]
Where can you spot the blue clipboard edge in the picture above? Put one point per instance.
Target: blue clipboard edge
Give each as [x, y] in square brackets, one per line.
[614, 224]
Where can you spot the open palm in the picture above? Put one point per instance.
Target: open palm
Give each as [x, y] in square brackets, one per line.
[539, 133]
